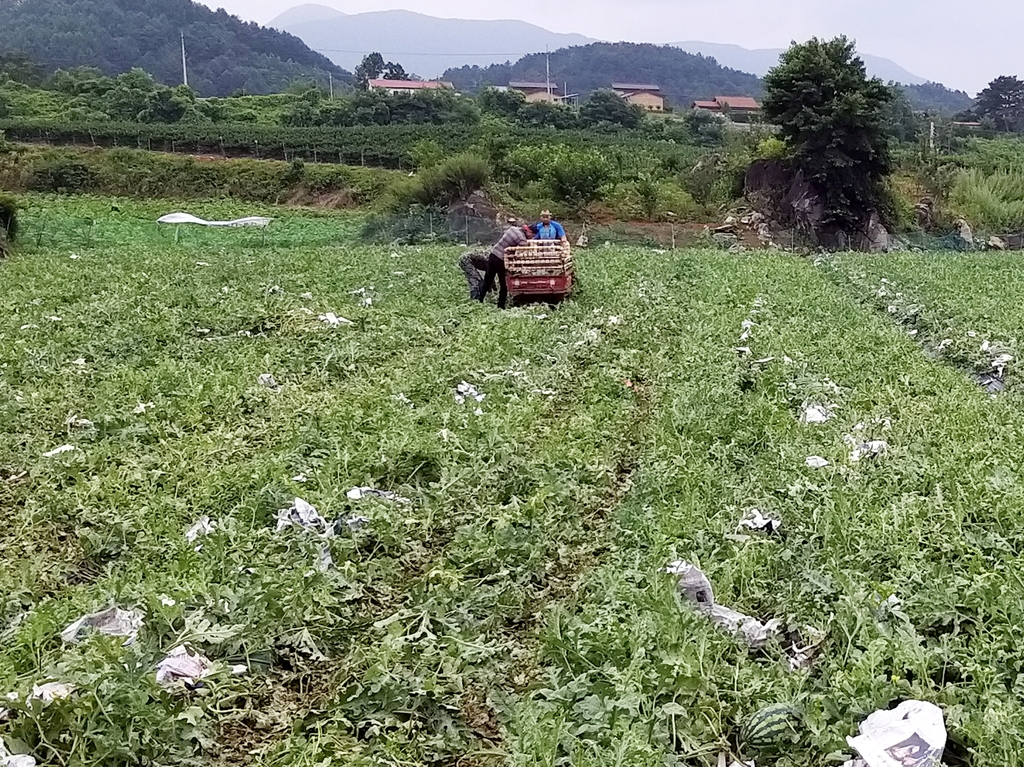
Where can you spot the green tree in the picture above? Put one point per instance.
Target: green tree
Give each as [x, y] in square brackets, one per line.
[902, 123]
[608, 108]
[20, 68]
[393, 71]
[168, 105]
[832, 116]
[545, 114]
[506, 103]
[1003, 103]
[371, 68]
[129, 96]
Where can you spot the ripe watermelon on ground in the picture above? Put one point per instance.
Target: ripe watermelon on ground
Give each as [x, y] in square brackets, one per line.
[771, 726]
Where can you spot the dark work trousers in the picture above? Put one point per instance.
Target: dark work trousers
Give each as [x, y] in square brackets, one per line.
[495, 268]
[474, 265]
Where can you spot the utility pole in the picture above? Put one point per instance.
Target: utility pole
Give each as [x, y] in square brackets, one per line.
[331, 76]
[547, 65]
[931, 137]
[184, 66]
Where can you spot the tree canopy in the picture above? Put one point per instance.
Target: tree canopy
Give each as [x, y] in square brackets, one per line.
[1002, 102]
[373, 67]
[225, 54]
[832, 116]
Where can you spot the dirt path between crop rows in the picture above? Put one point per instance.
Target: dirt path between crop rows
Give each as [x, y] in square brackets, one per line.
[306, 690]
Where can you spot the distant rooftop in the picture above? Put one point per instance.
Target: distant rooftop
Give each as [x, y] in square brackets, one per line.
[409, 85]
[523, 86]
[635, 87]
[738, 102]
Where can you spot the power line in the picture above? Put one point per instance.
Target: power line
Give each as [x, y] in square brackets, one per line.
[413, 53]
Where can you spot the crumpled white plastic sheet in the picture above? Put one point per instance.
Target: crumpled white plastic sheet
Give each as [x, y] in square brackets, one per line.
[19, 760]
[51, 691]
[817, 462]
[112, 622]
[911, 735]
[202, 527]
[872, 449]
[60, 451]
[267, 380]
[755, 520]
[358, 493]
[188, 218]
[814, 413]
[333, 320]
[357, 523]
[180, 668]
[696, 588]
[301, 514]
[465, 391]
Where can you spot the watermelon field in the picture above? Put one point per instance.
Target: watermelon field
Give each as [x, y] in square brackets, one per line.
[498, 496]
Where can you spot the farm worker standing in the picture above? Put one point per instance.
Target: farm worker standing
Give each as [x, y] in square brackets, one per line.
[513, 238]
[548, 229]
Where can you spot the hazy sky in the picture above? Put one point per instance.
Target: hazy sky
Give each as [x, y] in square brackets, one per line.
[964, 45]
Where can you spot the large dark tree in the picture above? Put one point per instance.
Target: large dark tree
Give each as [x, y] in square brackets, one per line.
[606, 107]
[373, 67]
[1003, 103]
[833, 118]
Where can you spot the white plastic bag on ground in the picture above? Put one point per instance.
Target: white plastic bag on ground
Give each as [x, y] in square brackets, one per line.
[755, 520]
[182, 668]
[358, 493]
[112, 622]
[911, 735]
[9, 760]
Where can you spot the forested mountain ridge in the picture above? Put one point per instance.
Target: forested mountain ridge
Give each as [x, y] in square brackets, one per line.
[683, 77]
[225, 54]
[425, 45]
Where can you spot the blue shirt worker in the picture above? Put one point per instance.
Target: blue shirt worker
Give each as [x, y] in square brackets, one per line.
[548, 229]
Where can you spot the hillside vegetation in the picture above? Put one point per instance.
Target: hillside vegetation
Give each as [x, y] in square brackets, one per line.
[683, 76]
[225, 54]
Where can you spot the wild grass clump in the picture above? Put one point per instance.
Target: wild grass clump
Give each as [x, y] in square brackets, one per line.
[993, 201]
[452, 180]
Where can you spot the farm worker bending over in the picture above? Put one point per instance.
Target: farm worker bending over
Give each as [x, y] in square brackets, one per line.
[474, 265]
[513, 238]
[548, 229]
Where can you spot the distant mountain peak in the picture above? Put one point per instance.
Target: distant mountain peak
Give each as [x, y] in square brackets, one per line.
[304, 14]
[423, 44]
[758, 61]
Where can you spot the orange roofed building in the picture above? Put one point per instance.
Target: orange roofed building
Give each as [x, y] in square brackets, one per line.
[647, 96]
[537, 92]
[735, 104]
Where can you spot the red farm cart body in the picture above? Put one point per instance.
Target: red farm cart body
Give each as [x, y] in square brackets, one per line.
[539, 269]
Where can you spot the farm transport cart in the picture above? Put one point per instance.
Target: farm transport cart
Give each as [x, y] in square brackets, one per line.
[540, 269]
